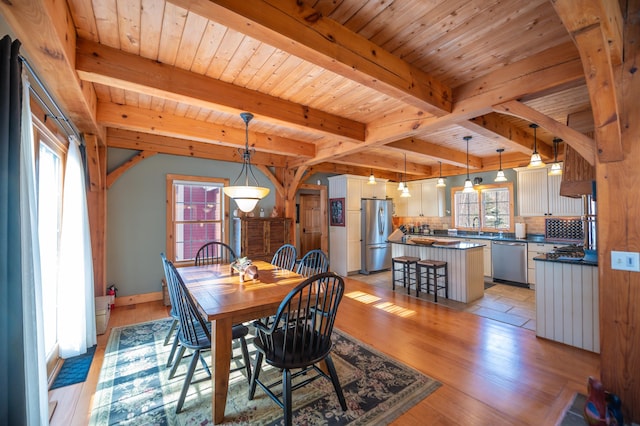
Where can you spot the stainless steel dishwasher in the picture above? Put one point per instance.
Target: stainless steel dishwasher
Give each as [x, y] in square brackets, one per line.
[509, 261]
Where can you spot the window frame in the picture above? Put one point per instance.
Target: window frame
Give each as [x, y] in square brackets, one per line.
[171, 179]
[48, 136]
[480, 189]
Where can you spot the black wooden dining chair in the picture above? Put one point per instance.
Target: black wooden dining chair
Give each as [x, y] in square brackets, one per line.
[285, 257]
[173, 330]
[213, 253]
[313, 263]
[194, 332]
[298, 338]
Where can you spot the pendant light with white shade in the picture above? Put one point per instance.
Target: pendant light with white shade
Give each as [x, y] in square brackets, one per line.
[536, 160]
[441, 183]
[468, 185]
[556, 167]
[405, 188]
[246, 196]
[500, 177]
[372, 178]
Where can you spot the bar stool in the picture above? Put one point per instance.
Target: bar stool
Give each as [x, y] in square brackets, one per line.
[408, 269]
[433, 271]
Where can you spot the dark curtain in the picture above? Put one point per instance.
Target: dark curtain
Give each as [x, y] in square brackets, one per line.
[13, 407]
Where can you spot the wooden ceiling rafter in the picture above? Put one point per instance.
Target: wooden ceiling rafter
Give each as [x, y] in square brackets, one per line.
[437, 152]
[512, 137]
[305, 33]
[578, 141]
[142, 141]
[150, 121]
[114, 68]
[379, 162]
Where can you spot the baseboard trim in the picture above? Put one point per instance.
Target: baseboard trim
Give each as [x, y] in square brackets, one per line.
[138, 298]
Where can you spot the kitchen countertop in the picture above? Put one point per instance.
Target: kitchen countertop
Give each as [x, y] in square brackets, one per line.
[563, 258]
[457, 246]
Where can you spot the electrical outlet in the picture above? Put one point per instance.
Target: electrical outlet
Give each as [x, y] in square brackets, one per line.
[625, 261]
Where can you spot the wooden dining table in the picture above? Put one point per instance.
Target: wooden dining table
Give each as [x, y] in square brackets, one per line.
[225, 300]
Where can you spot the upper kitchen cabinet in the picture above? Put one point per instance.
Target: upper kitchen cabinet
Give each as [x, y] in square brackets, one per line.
[399, 203]
[426, 199]
[379, 190]
[539, 195]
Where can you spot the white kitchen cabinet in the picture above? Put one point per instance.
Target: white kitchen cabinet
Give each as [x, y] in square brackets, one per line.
[567, 304]
[429, 198]
[426, 199]
[399, 203]
[378, 190]
[414, 203]
[533, 250]
[539, 195]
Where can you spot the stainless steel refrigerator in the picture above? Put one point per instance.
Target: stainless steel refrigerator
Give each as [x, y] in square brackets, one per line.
[376, 226]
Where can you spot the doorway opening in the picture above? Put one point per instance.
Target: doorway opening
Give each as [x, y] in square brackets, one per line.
[313, 223]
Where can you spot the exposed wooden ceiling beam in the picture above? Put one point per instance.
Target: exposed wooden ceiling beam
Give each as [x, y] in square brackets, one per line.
[437, 152]
[146, 142]
[46, 31]
[112, 67]
[149, 121]
[305, 33]
[551, 68]
[344, 169]
[578, 141]
[596, 27]
[514, 138]
[579, 14]
[381, 162]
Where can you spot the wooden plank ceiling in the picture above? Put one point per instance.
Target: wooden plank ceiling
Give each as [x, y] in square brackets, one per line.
[351, 85]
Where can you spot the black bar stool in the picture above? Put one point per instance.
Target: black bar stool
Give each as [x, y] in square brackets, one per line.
[408, 269]
[436, 273]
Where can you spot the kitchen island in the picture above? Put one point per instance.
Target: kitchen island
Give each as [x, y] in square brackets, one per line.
[465, 263]
[567, 302]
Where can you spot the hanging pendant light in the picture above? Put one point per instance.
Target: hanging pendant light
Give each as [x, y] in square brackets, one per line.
[468, 185]
[246, 196]
[556, 167]
[441, 183]
[500, 177]
[372, 178]
[536, 161]
[405, 188]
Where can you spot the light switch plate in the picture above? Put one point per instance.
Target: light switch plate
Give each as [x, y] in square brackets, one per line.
[625, 261]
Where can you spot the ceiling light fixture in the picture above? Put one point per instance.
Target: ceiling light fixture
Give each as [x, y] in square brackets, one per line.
[468, 185]
[246, 196]
[441, 183]
[372, 178]
[500, 177]
[536, 161]
[556, 167]
[405, 188]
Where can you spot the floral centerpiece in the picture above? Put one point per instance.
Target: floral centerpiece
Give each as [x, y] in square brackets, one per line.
[241, 264]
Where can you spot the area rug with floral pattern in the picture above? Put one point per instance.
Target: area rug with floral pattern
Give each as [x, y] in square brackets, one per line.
[134, 386]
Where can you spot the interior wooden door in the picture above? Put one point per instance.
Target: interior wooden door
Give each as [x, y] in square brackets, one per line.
[310, 223]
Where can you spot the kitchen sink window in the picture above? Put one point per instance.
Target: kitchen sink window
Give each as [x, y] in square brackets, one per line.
[489, 208]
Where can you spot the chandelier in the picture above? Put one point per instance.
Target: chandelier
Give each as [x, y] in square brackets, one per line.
[246, 196]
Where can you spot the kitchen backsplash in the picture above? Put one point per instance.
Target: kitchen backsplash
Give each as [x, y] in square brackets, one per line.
[535, 225]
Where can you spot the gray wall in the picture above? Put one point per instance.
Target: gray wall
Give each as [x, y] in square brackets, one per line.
[136, 215]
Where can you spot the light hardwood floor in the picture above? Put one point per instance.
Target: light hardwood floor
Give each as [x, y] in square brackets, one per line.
[492, 373]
